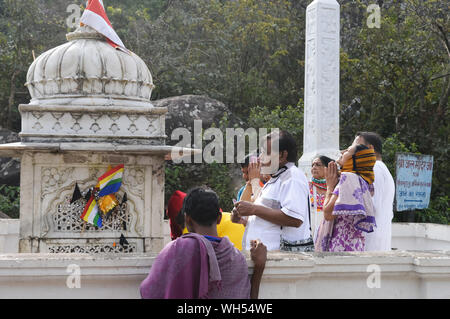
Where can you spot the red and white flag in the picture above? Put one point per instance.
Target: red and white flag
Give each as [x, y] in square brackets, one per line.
[95, 17]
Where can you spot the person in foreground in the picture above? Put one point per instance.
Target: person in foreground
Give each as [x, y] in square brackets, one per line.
[200, 264]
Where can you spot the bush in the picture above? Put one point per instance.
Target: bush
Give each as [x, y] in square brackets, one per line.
[289, 118]
[438, 212]
[10, 200]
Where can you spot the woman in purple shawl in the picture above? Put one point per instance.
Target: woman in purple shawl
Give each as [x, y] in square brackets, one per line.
[200, 264]
[348, 208]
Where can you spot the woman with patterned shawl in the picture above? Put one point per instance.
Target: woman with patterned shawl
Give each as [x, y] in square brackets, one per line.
[348, 207]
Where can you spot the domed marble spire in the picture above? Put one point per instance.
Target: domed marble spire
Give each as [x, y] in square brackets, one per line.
[86, 91]
[87, 70]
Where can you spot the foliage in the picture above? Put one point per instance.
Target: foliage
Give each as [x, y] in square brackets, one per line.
[175, 177]
[438, 212]
[215, 176]
[10, 200]
[393, 145]
[218, 178]
[289, 118]
[25, 26]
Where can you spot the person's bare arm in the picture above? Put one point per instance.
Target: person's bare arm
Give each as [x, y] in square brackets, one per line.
[275, 216]
[328, 206]
[247, 193]
[331, 175]
[258, 253]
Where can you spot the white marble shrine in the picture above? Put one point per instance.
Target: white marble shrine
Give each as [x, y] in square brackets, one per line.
[90, 108]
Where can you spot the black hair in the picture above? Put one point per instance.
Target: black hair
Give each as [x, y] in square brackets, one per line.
[325, 160]
[246, 161]
[202, 205]
[286, 142]
[373, 139]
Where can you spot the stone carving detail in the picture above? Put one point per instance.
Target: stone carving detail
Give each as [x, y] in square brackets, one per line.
[53, 178]
[76, 125]
[114, 128]
[92, 248]
[57, 127]
[311, 21]
[37, 126]
[329, 21]
[153, 126]
[95, 127]
[68, 218]
[132, 128]
[135, 180]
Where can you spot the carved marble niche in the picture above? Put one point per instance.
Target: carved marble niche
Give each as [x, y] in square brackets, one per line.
[54, 225]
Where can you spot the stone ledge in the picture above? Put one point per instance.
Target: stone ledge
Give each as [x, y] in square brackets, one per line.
[333, 275]
[104, 264]
[149, 109]
[16, 149]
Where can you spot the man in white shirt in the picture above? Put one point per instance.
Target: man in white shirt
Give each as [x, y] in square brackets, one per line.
[383, 199]
[280, 213]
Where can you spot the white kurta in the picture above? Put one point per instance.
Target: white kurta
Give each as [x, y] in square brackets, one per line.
[289, 193]
[383, 200]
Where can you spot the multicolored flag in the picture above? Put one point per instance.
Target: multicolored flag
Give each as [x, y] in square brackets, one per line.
[91, 213]
[95, 16]
[111, 181]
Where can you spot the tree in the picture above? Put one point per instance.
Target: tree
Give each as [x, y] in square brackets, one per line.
[26, 29]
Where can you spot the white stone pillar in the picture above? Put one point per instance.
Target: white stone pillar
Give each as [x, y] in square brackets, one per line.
[321, 120]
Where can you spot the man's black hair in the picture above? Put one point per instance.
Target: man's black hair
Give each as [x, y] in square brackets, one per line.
[373, 139]
[202, 205]
[286, 142]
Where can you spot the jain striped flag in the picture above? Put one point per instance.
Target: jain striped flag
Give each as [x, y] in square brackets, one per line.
[91, 213]
[110, 182]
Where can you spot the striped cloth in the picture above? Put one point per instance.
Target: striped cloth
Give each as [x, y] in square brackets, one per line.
[362, 163]
[95, 17]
